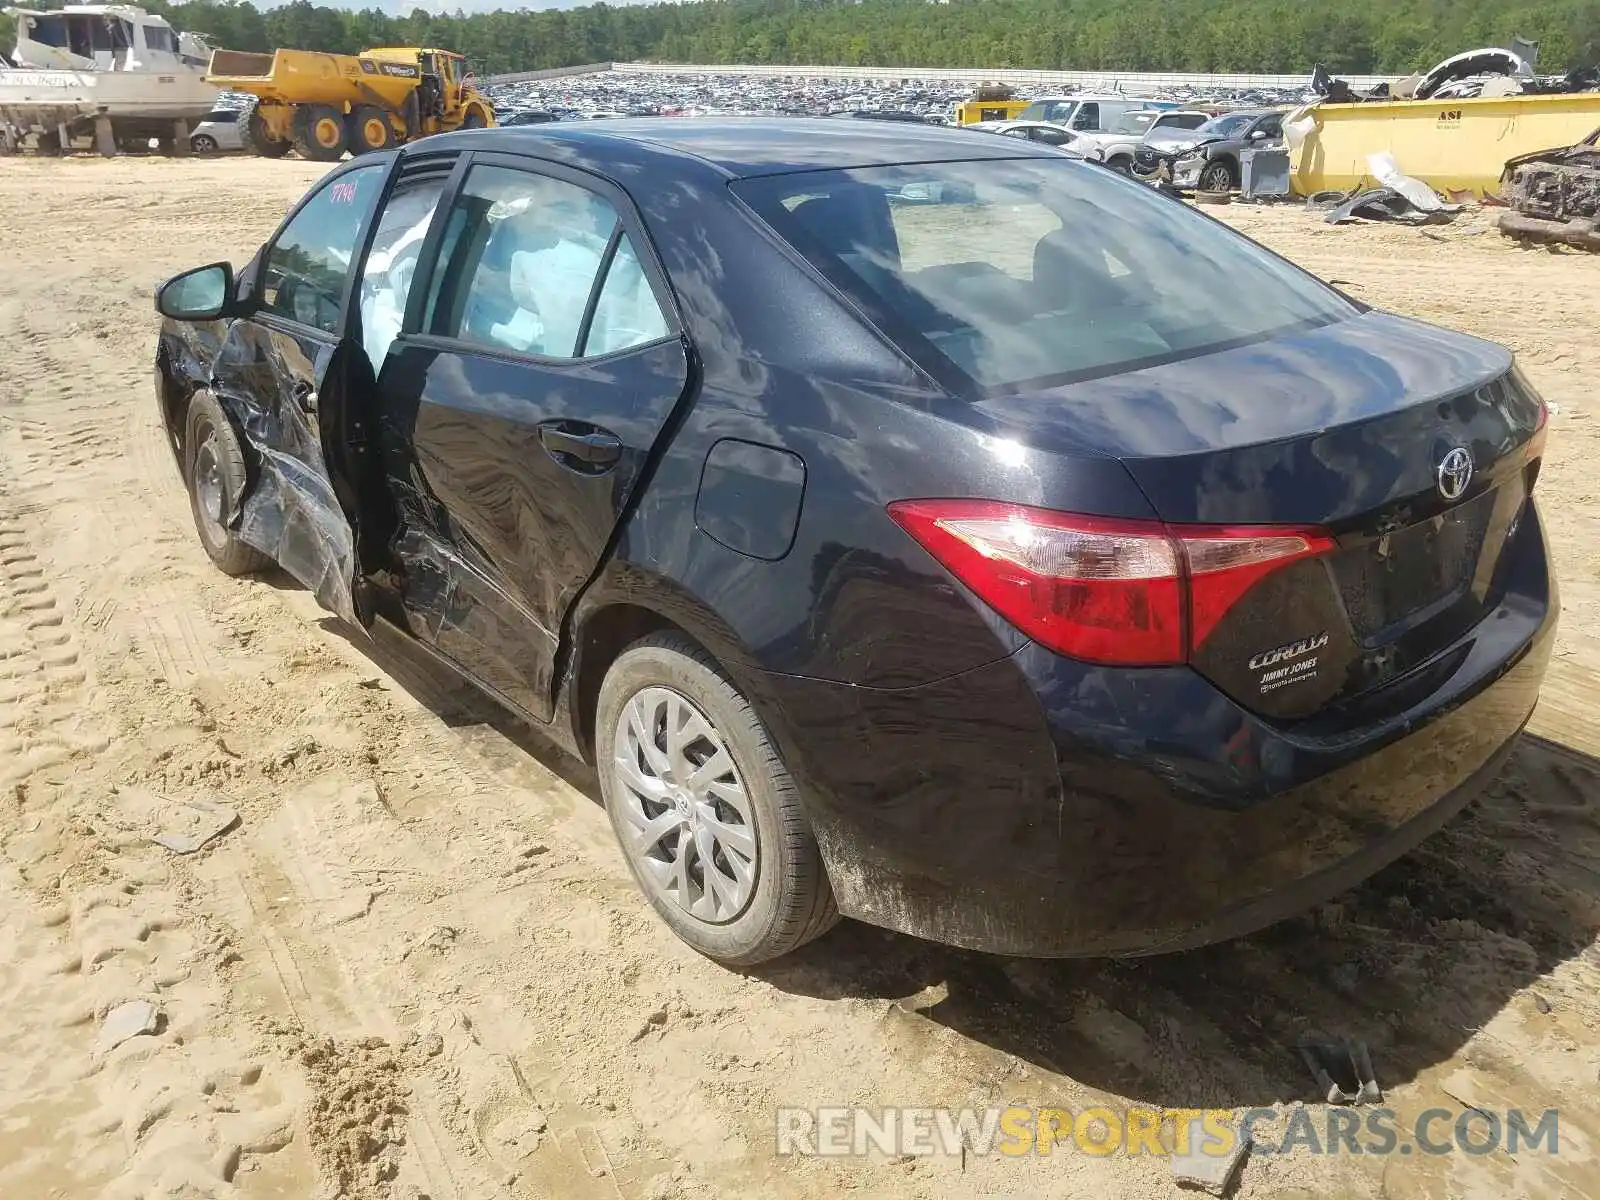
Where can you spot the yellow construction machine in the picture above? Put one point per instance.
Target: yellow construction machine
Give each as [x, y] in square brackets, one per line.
[324, 104]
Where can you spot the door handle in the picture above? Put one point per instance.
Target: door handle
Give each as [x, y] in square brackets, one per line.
[305, 395]
[595, 448]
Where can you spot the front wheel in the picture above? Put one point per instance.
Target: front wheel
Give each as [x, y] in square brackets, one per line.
[708, 819]
[214, 470]
[203, 143]
[1217, 177]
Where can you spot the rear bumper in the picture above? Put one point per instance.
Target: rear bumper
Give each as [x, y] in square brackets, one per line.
[1041, 807]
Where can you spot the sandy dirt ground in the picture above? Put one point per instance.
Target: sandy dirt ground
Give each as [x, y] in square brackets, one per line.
[417, 966]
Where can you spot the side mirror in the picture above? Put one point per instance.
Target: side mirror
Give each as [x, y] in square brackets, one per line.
[203, 294]
[1257, 135]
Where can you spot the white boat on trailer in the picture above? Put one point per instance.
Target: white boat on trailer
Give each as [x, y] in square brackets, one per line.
[112, 73]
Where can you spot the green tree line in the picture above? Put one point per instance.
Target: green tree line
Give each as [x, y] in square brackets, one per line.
[1271, 36]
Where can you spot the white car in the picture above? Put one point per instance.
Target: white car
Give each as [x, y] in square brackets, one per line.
[1086, 113]
[1119, 145]
[1046, 132]
[218, 130]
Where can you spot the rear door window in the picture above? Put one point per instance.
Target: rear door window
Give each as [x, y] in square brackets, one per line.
[304, 272]
[540, 266]
[1087, 116]
[626, 313]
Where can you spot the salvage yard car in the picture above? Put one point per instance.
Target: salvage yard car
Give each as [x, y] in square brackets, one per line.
[1206, 159]
[959, 565]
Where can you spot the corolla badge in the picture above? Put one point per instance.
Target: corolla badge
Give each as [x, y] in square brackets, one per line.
[1455, 472]
[1280, 654]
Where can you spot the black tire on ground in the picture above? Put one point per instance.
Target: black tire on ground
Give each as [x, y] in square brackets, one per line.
[792, 901]
[368, 129]
[255, 139]
[203, 143]
[214, 472]
[1219, 176]
[319, 133]
[1121, 164]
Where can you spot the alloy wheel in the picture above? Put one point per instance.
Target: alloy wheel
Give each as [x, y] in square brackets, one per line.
[1216, 178]
[686, 817]
[210, 490]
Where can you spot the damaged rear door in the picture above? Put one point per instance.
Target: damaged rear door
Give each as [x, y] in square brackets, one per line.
[294, 380]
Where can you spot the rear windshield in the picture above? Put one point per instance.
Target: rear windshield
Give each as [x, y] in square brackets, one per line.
[1003, 273]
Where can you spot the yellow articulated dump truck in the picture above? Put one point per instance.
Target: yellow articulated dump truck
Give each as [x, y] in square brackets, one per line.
[324, 104]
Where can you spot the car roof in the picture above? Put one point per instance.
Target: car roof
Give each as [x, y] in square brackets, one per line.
[738, 147]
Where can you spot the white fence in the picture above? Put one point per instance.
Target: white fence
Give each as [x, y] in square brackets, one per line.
[551, 73]
[1125, 81]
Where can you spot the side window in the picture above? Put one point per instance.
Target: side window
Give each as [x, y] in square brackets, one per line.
[1060, 110]
[303, 277]
[1272, 126]
[1088, 116]
[392, 262]
[523, 263]
[626, 313]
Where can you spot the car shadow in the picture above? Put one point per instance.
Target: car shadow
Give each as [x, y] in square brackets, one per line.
[1413, 962]
[458, 704]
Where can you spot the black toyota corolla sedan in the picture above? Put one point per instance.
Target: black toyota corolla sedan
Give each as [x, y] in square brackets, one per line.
[911, 524]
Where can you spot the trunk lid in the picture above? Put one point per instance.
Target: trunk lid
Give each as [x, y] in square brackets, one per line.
[1415, 447]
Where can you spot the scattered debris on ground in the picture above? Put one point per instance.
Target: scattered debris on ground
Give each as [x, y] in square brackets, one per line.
[189, 825]
[133, 1019]
[1198, 1167]
[1554, 195]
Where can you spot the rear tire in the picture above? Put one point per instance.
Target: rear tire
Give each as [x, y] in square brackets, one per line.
[319, 133]
[369, 130]
[255, 139]
[771, 893]
[214, 472]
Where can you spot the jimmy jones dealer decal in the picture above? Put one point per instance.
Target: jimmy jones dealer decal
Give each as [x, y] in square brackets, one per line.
[1289, 664]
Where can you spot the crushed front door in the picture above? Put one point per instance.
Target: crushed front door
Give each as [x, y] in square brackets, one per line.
[294, 380]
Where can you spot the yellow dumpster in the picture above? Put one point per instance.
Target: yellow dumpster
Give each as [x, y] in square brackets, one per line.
[1451, 145]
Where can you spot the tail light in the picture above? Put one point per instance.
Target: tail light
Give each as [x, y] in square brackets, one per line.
[1133, 593]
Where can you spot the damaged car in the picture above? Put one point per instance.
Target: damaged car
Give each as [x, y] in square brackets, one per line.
[959, 565]
[1206, 158]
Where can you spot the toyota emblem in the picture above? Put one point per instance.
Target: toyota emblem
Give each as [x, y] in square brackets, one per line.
[1455, 472]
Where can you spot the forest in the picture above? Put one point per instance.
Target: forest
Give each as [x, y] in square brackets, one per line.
[1269, 36]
